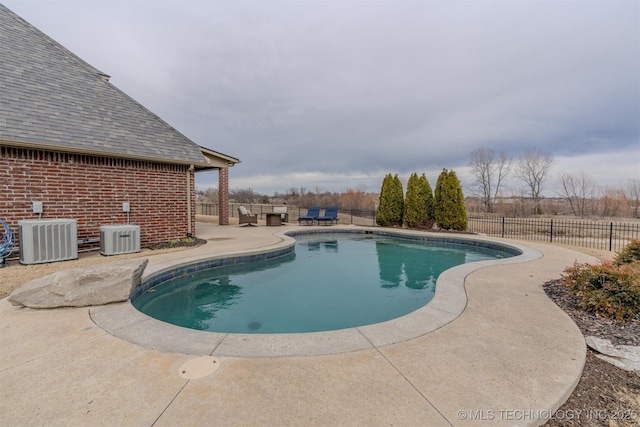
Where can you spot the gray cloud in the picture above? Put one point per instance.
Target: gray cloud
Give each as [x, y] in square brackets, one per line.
[349, 91]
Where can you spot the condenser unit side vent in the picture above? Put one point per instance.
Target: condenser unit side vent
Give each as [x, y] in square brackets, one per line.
[48, 240]
[119, 239]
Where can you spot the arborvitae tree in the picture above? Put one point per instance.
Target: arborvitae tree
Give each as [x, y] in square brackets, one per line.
[397, 210]
[439, 194]
[450, 211]
[384, 211]
[413, 204]
[426, 195]
[460, 210]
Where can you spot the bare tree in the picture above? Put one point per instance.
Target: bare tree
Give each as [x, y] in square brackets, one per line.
[490, 172]
[532, 169]
[244, 195]
[633, 196]
[208, 195]
[293, 192]
[613, 202]
[355, 199]
[480, 164]
[579, 191]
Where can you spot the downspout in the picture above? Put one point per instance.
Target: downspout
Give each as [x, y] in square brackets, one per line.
[189, 172]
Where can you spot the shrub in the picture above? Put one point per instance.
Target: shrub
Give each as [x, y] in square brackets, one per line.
[629, 254]
[412, 203]
[398, 202]
[606, 290]
[389, 212]
[426, 195]
[382, 213]
[450, 210]
[418, 203]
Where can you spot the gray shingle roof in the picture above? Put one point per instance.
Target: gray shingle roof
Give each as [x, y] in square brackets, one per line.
[51, 98]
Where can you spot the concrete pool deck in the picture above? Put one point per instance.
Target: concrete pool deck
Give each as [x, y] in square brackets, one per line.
[510, 358]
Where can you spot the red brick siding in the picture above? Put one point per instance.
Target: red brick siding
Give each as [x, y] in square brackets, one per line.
[223, 196]
[192, 191]
[91, 189]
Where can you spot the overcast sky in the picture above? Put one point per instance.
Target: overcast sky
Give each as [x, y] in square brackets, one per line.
[332, 95]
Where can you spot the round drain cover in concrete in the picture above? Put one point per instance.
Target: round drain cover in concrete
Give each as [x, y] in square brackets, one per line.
[199, 367]
[254, 326]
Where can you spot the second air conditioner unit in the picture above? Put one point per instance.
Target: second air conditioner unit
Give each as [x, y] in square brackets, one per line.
[119, 239]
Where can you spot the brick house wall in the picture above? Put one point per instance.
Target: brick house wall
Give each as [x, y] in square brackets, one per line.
[91, 189]
[223, 196]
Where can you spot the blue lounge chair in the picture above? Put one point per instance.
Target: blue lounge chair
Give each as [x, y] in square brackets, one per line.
[313, 212]
[330, 215]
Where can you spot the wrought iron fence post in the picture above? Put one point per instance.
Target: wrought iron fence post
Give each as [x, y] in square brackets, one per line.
[503, 227]
[610, 236]
[551, 232]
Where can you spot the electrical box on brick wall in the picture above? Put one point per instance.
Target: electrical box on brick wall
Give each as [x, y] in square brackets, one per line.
[37, 207]
[126, 207]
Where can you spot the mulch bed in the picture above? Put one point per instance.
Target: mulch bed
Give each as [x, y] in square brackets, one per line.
[606, 395]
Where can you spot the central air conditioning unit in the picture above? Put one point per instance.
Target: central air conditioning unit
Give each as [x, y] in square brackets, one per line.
[119, 239]
[48, 240]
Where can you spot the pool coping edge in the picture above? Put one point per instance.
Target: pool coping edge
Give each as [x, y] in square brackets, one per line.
[124, 321]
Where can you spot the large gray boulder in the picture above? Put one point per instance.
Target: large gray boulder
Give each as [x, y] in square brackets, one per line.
[625, 357]
[80, 287]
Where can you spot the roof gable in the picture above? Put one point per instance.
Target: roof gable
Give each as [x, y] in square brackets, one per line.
[53, 99]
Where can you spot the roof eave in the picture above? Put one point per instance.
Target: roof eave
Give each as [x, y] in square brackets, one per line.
[213, 159]
[219, 158]
[45, 147]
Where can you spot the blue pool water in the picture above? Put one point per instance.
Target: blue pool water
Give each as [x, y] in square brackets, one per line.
[331, 281]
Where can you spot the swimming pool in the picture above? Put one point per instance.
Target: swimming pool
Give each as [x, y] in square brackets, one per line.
[328, 281]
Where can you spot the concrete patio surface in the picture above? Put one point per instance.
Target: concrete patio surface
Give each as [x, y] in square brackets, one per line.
[510, 358]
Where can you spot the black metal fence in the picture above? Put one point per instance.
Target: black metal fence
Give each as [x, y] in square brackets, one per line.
[601, 235]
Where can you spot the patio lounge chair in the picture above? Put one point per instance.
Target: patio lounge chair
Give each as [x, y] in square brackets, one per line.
[313, 212]
[330, 215]
[246, 217]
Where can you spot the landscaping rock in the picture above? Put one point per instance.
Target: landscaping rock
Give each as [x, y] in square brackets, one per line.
[625, 357]
[80, 287]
